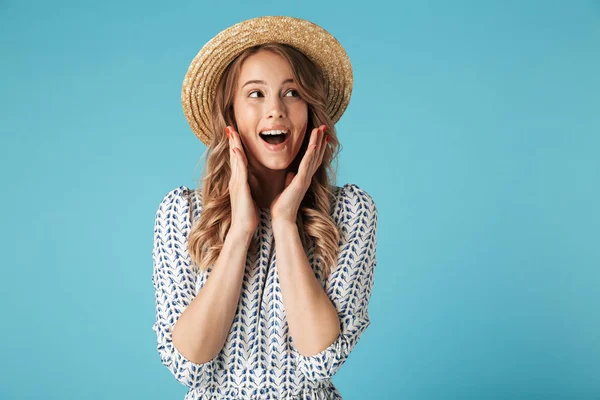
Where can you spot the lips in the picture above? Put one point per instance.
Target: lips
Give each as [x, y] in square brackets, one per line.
[275, 127]
[276, 146]
[273, 138]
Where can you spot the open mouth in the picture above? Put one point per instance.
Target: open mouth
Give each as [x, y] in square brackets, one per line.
[274, 137]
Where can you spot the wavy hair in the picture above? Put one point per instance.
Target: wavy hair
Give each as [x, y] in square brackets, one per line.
[314, 221]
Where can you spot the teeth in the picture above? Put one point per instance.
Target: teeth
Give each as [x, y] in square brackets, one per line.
[274, 132]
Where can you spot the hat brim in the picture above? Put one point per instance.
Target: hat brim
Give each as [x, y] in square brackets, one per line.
[206, 69]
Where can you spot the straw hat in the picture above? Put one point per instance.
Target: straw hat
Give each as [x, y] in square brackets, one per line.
[206, 69]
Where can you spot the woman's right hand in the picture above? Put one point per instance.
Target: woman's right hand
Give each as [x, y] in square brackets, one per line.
[245, 213]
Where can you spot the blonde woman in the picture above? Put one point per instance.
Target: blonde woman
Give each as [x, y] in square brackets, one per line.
[263, 275]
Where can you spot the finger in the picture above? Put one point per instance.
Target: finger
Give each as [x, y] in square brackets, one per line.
[238, 144]
[235, 138]
[312, 147]
[237, 155]
[317, 147]
[316, 154]
[314, 137]
[235, 170]
[320, 142]
[324, 147]
[242, 171]
[229, 143]
[321, 137]
[305, 163]
[232, 155]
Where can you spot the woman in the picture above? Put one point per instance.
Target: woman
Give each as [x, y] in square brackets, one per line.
[263, 275]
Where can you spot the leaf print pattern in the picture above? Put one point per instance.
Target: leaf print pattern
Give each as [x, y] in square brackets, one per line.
[259, 360]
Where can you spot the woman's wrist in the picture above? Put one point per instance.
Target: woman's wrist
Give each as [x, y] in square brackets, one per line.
[283, 225]
[240, 234]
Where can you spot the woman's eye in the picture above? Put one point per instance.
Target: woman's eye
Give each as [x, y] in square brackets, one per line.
[258, 92]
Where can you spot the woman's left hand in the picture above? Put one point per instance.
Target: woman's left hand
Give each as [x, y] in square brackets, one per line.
[287, 203]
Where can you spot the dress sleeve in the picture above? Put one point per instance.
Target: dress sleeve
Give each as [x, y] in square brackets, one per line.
[349, 285]
[174, 285]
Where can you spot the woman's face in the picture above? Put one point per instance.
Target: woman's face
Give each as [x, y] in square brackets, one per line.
[266, 99]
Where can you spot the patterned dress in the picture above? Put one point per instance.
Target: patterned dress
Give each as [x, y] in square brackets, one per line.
[259, 360]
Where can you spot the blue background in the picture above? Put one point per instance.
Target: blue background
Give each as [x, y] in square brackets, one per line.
[474, 125]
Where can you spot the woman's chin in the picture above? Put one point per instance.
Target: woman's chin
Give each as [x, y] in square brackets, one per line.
[275, 161]
[275, 165]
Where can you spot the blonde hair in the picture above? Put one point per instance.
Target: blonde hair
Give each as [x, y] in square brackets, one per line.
[314, 221]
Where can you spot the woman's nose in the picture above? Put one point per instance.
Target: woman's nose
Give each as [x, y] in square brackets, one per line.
[276, 108]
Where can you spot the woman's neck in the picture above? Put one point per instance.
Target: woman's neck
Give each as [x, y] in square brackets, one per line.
[267, 185]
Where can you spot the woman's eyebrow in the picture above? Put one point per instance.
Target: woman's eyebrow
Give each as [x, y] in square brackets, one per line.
[289, 80]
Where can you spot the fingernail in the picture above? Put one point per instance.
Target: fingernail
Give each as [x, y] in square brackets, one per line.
[327, 138]
[227, 132]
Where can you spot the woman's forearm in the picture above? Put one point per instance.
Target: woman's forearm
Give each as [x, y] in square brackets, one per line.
[312, 318]
[201, 330]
